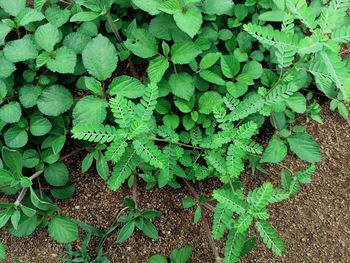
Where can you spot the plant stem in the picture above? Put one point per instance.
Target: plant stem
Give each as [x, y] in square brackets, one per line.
[134, 189]
[196, 195]
[39, 173]
[218, 259]
[286, 74]
[113, 27]
[178, 143]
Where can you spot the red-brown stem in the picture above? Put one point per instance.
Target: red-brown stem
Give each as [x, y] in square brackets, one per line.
[178, 143]
[210, 238]
[196, 195]
[134, 189]
[205, 221]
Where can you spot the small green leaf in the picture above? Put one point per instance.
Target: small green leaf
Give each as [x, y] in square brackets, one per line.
[39, 125]
[197, 215]
[209, 60]
[126, 232]
[16, 137]
[157, 259]
[84, 16]
[56, 174]
[3, 253]
[209, 101]
[275, 151]
[63, 229]
[13, 160]
[189, 21]
[11, 112]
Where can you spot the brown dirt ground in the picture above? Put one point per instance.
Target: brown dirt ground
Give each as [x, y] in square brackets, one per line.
[315, 225]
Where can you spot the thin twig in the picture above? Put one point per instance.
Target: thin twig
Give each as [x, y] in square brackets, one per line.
[178, 143]
[134, 189]
[204, 219]
[114, 28]
[196, 195]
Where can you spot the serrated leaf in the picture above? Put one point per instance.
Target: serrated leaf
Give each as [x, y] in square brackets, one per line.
[55, 100]
[157, 68]
[189, 21]
[41, 36]
[89, 110]
[16, 137]
[275, 151]
[126, 86]
[13, 7]
[39, 125]
[29, 15]
[141, 43]
[181, 85]
[63, 229]
[310, 150]
[100, 57]
[149, 6]
[64, 61]
[20, 50]
[184, 53]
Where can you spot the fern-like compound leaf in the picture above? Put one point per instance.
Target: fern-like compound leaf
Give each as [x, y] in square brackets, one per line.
[124, 168]
[243, 223]
[278, 195]
[233, 247]
[95, 133]
[341, 35]
[222, 220]
[149, 152]
[215, 160]
[122, 113]
[145, 108]
[270, 237]
[301, 11]
[304, 176]
[251, 104]
[234, 162]
[245, 131]
[261, 196]
[116, 150]
[230, 200]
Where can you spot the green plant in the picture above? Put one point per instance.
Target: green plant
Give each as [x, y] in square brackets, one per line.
[181, 255]
[173, 94]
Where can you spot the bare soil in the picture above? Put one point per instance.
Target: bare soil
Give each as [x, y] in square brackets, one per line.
[315, 225]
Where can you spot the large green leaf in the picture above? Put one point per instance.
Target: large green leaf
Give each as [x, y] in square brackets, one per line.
[90, 110]
[184, 53]
[6, 67]
[275, 151]
[141, 43]
[29, 15]
[100, 57]
[182, 85]
[56, 174]
[11, 112]
[305, 147]
[149, 6]
[39, 125]
[64, 61]
[209, 101]
[126, 86]
[16, 137]
[189, 21]
[13, 7]
[63, 229]
[20, 50]
[157, 68]
[214, 7]
[55, 100]
[47, 36]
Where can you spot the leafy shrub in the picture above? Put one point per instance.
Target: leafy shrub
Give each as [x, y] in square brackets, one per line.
[169, 91]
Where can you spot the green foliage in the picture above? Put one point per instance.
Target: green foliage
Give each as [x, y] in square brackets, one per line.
[177, 91]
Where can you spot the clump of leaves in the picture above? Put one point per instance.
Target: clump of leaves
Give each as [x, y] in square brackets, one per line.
[167, 91]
